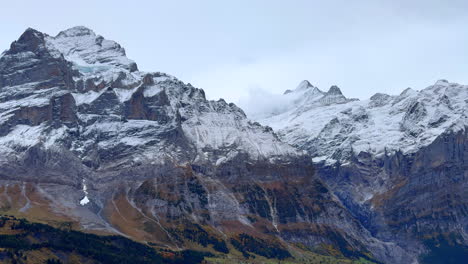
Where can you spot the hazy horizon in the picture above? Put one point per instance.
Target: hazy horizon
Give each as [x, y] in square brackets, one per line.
[240, 50]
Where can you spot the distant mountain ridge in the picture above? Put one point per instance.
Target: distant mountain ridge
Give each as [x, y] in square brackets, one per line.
[382, 123]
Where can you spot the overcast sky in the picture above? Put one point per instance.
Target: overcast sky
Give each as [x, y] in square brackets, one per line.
[238, 48]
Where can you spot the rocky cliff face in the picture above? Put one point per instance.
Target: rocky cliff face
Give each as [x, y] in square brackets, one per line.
[86, 137]
[398, 163]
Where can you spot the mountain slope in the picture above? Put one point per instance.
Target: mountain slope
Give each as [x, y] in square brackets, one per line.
[31, 243]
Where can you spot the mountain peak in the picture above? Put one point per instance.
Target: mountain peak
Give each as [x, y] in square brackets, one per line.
[441, 82]
[407, 91]
[334, 90]
[31, 32]
[304, 85]
[379, 96]
[76, 32]
[30, 40]
[83, 47]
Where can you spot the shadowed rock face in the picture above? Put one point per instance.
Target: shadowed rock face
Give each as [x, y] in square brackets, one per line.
[154, 159]
[434, 198]
[29, 60]
[408, 198]
[434, 175]
[155, 202]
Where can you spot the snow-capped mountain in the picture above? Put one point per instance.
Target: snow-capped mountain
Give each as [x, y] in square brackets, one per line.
[107, 104]
[331, 127]
[398, 163]
[87, 138]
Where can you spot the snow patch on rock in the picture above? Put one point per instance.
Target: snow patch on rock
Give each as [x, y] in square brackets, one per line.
[85, 199]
